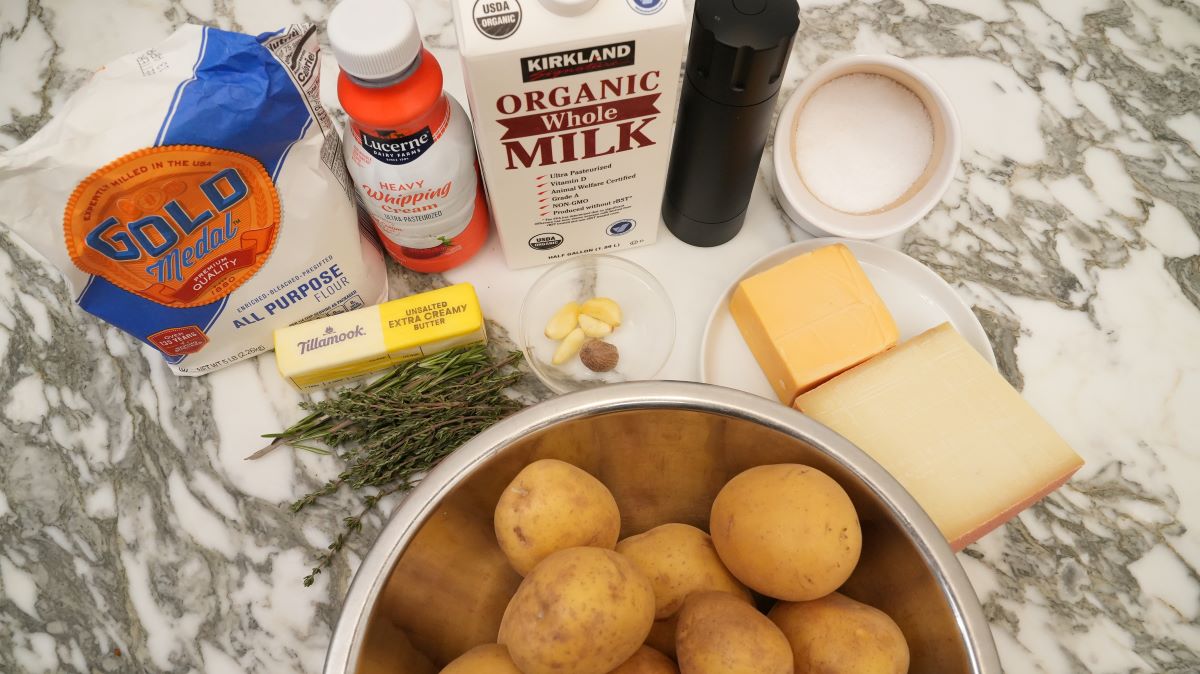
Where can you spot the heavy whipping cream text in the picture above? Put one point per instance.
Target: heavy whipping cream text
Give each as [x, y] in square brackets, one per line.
[573, 121]
[410, 197]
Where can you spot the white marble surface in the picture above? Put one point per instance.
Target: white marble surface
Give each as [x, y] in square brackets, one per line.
[133, 537]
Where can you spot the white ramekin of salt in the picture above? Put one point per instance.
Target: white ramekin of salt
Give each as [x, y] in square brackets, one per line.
[865, 147]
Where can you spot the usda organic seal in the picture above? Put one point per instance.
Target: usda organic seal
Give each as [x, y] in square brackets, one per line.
[497, 19]
[545, 241]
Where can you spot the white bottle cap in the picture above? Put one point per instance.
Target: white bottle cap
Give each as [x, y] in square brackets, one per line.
[374, 39]
[568, 7]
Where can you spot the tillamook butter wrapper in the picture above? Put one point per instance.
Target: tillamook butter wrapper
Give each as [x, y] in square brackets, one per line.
[574, 116]
[359, 342]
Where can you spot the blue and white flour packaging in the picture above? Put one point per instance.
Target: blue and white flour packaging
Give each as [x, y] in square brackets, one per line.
[194, 195]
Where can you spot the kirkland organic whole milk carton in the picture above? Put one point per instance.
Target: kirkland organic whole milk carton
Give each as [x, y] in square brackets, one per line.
[574, 106]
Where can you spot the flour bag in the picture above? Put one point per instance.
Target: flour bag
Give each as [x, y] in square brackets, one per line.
[194, 196]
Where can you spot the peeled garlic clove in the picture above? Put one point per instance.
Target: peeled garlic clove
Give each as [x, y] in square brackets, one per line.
[602, 309]
[593, 327]
[563, 322]
[569, 346]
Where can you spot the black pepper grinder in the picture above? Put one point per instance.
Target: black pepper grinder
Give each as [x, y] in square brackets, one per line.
[735, 64]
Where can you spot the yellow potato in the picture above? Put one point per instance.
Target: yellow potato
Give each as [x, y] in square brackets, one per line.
[786, 530]
[837, 635]
[662, 635]
[552, 505]
[679, 560]
[720, 634]
[485, 659]
[582, 610]
[647, 661]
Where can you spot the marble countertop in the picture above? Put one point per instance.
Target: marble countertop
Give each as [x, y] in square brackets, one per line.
[133, 536]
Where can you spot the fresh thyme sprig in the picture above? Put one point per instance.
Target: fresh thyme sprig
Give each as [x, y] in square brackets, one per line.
[394, 430]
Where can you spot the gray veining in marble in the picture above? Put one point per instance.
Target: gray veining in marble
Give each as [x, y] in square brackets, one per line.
[133, 538]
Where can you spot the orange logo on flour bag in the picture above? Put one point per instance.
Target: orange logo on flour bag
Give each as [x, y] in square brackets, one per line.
[182, 225]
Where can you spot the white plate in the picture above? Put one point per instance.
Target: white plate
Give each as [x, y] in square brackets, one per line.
[917, 298]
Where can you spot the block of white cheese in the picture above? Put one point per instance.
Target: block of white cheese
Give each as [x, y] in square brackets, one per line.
[950, 429]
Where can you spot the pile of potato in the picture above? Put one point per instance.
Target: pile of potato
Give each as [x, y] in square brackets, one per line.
[590, 604]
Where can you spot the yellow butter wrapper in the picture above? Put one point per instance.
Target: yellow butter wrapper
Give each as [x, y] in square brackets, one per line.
[349, 345]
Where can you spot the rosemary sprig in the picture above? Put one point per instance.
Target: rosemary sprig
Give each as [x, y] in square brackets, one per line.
[391, 432]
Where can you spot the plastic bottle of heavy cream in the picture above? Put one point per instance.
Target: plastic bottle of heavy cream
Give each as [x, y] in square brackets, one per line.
[408, 145]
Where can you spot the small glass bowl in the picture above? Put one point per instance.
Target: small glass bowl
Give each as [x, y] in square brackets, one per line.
[643, 340]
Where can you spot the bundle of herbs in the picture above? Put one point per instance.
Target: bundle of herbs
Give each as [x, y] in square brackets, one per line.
[393, 430]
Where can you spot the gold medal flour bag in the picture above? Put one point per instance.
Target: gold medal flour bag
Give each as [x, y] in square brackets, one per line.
[194, 195]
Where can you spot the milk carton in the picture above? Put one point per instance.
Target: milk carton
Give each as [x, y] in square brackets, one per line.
[574, 106]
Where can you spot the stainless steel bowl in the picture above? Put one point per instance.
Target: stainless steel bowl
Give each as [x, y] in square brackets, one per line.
[436, 583]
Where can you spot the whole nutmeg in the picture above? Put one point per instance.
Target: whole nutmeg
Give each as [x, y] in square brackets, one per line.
[599, 356]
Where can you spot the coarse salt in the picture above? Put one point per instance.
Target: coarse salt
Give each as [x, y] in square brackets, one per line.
[861, 142]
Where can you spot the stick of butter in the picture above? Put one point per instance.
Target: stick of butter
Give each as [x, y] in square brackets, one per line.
[359, 342]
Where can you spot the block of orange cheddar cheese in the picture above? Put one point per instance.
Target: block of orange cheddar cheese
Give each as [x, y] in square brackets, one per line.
[949, 428]
[810, 318]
